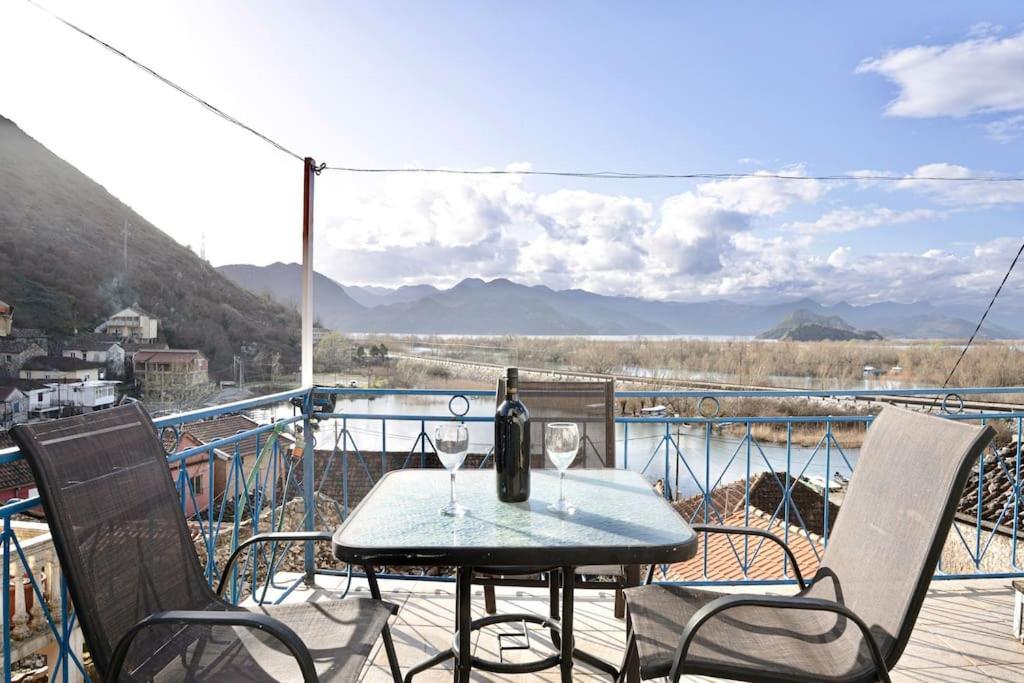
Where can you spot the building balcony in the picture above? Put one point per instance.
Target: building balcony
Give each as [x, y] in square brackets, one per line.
[289, 469]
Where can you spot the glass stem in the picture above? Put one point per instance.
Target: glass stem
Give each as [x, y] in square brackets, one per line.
[453, 488]
[561, 482]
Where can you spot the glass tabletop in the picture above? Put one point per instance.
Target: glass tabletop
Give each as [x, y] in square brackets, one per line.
[620, 519]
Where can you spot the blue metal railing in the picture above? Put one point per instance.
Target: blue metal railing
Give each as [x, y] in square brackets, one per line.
[251, 476]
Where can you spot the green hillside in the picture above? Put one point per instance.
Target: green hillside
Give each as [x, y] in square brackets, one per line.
[61, 265]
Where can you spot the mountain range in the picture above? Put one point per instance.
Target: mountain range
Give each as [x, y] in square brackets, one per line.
[501, 306]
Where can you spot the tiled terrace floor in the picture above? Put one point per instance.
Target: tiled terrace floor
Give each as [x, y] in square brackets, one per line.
[963, 633]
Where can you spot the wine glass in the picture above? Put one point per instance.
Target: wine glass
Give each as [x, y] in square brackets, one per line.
[562, 440]
[451, 441]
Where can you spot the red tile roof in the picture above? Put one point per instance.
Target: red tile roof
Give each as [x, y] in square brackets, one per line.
[222, 427]
[764, 560]
[167, 355]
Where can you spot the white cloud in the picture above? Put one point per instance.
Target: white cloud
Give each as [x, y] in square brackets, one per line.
[976, 76]
[848, 219]
[697, 229]
[1006, 129]
[710, 241]
[839, 257]
[960, 192]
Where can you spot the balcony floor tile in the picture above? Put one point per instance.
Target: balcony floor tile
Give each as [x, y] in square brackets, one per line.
[963, 633]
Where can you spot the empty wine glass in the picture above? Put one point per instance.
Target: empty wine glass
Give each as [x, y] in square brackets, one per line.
[562, 441]
[451, 441]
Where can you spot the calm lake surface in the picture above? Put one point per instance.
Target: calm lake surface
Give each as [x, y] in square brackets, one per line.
[727, 454]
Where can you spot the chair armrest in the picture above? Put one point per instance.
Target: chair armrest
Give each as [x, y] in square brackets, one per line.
[726, 602]
[750, 531]
[260, 622]
[267, 537]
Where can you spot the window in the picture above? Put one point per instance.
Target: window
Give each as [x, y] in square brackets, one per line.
[197, 484]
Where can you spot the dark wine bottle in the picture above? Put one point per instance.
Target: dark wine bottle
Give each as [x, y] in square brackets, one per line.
[512, 444]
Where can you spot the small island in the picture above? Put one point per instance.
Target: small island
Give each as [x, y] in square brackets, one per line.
[802, 325]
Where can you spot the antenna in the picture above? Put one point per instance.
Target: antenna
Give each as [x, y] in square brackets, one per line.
[202, 248]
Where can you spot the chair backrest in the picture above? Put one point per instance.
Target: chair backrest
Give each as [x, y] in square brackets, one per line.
[898, 509]
[117, 526]
[591, 405]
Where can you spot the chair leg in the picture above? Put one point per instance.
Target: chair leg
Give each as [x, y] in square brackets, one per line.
[490, 603]
[628, 659]
[620, 604]
[389, 648]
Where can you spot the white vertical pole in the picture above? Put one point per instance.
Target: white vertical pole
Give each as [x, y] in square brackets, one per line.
[309, 171]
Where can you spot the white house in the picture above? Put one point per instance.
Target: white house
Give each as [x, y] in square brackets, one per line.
[97, 349]
[13, 407]
[131, 323]
[42, 399]
[84, 397]
[62, 369]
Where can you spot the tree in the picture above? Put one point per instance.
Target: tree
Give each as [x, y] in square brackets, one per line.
[332, 354]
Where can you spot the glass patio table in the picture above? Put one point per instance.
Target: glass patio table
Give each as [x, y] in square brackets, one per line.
[620, 520]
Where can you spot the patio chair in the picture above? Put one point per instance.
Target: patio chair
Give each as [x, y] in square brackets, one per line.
[853, 621]
[592, 406]
[145, 607]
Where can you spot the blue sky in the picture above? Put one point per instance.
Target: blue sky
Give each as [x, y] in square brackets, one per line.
[811, 88]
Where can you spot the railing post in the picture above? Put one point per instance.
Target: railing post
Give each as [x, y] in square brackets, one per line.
[6, 598]
[308, 456]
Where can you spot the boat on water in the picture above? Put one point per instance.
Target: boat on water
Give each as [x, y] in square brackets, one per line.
[654, 411]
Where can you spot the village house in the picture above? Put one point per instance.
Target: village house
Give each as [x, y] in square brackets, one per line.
[13, 406]
[15, 477]
[253, 451]
[14, 353]
[42, 399]
[97, 348]
[131, 323]
[201, 487]
[83, 397]
[6, 318]
[62, 369]
[164, 367]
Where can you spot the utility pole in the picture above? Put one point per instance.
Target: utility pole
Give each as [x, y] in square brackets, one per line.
[308, 175]
[308, 454]
[126, 247]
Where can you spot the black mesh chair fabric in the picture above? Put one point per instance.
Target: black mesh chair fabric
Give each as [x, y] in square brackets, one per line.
[591, 405]
[124, 547]
[881, 556]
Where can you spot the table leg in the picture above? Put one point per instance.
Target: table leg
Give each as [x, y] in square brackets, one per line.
[464, 623]
[568, 584]
[632, 664]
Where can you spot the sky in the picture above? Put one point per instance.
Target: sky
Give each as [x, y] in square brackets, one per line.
[893, 89]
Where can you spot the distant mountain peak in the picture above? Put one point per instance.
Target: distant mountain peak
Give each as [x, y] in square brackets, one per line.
[803, 325]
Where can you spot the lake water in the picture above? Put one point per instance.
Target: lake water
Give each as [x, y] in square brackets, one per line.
[728, 454]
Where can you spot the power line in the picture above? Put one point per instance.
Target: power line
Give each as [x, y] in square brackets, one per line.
[624, 175]
[219, 112]
[981, 321]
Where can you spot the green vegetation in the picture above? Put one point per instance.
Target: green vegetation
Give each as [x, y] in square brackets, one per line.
[62, 266]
